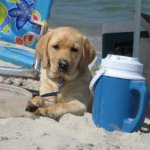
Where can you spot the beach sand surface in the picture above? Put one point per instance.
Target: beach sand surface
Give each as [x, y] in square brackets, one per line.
[70, 133]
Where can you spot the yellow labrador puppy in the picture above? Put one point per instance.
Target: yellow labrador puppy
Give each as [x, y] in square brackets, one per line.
[65, 77]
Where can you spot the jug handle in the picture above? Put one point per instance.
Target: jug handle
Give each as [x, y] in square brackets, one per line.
[99, 73]
[132, 124]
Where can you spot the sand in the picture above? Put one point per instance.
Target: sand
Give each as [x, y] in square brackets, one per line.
[29, 132]
[70, 133]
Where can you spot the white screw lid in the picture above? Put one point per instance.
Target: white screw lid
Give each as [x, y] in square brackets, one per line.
[122, 63]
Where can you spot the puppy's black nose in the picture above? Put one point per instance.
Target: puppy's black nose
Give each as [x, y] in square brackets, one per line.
[63, 65]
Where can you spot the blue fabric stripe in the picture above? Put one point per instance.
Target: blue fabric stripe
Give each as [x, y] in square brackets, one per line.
[20, 58]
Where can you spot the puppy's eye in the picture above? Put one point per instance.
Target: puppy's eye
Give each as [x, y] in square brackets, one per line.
[56, 47]
[73, 49]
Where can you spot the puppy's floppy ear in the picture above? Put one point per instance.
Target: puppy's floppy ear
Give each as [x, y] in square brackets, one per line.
[42, 49]
[88, 54]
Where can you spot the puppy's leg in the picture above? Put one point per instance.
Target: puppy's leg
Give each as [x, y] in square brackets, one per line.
[34, 103]
[56, 111]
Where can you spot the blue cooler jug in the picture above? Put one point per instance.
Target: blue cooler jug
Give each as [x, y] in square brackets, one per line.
[120, 94]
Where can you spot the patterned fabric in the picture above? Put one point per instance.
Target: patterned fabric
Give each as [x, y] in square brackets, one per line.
[16, 25]
[40, 14]
[22, 12]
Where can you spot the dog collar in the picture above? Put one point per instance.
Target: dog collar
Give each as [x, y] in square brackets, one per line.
[55, 93]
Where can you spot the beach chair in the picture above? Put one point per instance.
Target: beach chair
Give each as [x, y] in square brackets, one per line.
[22, 23]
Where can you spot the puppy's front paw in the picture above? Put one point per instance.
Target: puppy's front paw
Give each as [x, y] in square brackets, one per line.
[55, 111]
[31, 108]
[34, 103]
[41, 112]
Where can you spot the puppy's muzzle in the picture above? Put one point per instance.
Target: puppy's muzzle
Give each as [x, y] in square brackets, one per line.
[63, 65]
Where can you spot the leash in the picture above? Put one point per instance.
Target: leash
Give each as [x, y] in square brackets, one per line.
[50, 94]
[55, 93]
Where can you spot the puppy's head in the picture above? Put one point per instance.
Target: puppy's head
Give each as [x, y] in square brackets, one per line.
[65, 52]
